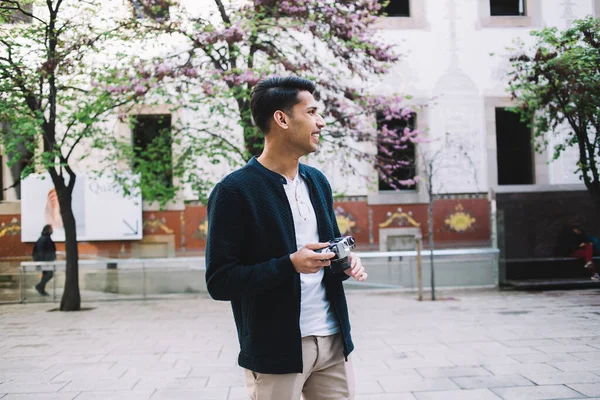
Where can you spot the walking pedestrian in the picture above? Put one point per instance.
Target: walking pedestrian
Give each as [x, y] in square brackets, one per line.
[44, 250]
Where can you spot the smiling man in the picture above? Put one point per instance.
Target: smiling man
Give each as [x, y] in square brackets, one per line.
[265, 222]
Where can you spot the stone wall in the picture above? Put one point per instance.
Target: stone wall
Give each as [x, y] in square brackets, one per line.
[458, 222]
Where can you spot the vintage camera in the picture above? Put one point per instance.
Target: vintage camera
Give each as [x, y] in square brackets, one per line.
[341, 247]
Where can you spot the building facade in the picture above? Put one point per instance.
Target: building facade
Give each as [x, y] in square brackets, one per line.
[455, 64]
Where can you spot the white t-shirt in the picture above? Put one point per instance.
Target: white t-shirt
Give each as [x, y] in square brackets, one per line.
[316, 316]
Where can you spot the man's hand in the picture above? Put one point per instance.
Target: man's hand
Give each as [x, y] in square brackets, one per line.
[356, 270]
[307, 261]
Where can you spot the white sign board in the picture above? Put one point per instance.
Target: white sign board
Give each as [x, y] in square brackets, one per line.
[101, 210]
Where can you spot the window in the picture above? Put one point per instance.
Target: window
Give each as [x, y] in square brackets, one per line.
[509, 13]
[507, 7]
[158, 9]
[514, 149]
[16, 16]
[406, 155]
[152, 143]
[396, 8]
[402, 14]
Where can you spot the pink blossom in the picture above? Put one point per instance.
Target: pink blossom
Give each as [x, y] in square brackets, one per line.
[139, 89]
[233, 34]
[190, 72]
[162, 69]
[208, 88]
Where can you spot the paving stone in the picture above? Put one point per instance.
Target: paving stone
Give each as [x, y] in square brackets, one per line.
[545, 358]
[32, 376]
[588, 389]
[110, 395]
[416, 385]
[37, 350]
[204, 394]
[61, 363]
[226, 379]
[573, 349]
[498, 349]
[93, 384]
[534, 343]
[41, 396]
[475, 394]
[481, 360]
[386, 396]
[571, 366]
[238, 393]
[376, 355]
[170, 383]
[418, 362]
[588, 356]
[449, 372]
[420, 348]
[364, 372]
[521, 368]
[562, 378]
[368, 387]
[206, 371]
[153, 371]
[186, 347]
[31, 387]
[537, 393]
[581, 339]
[492, 381]
[136, 359]
[84, 373]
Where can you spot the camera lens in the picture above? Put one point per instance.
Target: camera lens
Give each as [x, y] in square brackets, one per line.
[350, 240]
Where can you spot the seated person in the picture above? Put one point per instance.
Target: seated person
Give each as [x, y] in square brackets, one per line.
[575, 243]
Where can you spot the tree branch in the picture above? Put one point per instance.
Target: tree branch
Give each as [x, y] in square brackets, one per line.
[223, 13]
[227, 21]
[18, 7]
[19, 80]
[14, 185]
[87, 127]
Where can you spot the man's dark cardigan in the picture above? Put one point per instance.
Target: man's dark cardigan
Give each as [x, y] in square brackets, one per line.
[250, 238]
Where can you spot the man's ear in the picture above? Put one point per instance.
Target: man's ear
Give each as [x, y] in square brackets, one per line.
[281, 119]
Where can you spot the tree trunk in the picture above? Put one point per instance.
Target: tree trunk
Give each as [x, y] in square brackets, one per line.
[431, 243]
[71, 299]
[253, 140]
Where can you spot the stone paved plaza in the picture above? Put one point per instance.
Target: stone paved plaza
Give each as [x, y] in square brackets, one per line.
[471, 345]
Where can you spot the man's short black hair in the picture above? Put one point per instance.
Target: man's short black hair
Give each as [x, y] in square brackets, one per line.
[276, 93]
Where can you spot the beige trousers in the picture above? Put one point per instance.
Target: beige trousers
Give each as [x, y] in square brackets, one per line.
[325, 375]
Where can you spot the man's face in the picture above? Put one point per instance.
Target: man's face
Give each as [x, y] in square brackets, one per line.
[305, 124]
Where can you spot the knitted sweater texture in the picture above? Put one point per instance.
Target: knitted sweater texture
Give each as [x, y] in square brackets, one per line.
[250, 238]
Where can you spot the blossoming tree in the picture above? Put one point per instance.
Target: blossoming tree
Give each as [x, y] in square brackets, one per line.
[228, 48]
[70, 75]
[557, 85]
[61, 79]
